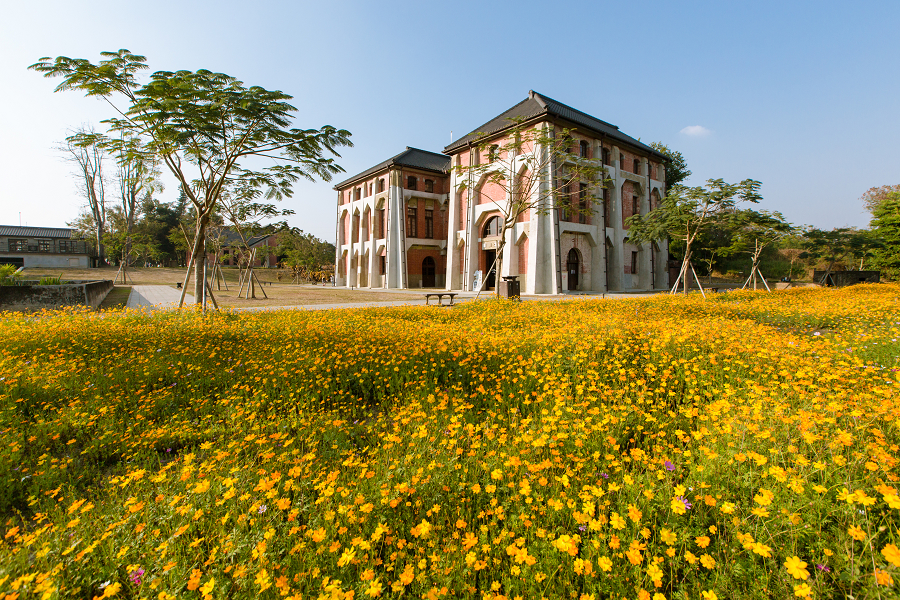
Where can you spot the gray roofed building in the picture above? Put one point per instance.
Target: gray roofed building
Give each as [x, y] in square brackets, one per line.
[36, 232]
[411, 157]
[539, 106]
[43, 247]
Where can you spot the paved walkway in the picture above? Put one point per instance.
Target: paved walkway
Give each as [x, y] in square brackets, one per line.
[154, 297]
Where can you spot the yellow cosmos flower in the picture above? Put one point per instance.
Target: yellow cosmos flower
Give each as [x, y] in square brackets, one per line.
[891, 554]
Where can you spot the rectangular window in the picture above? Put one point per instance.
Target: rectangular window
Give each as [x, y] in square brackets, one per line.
[429, 224]
[44, 245]
[606, 207]
[584, 149]
[637, 166]
[411, 183]
[17, 245]
[605, 153]
[429, 186]
[582, 203]
[634, 263]
[635, 205]
[381, 184]
[622, 161]
[380, 223]
[383, 266]
[411, 222]
[565, 202]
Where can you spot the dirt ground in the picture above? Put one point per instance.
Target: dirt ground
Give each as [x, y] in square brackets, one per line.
[281, 293]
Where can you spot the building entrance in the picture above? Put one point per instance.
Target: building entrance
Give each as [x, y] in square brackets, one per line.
[428, 272]
[572, 266]
[489, 257]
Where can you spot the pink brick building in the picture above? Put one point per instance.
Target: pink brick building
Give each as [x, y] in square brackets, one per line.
[408, 222]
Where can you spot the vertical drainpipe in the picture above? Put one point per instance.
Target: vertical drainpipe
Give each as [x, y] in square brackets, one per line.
[603, 223]
[337, 237]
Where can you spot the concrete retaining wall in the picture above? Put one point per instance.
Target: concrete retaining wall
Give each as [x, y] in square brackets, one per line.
[30, 297]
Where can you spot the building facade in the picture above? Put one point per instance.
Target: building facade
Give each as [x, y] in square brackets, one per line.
[42, 247]
[552, 250]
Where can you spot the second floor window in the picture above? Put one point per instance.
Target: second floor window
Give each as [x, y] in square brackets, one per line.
[582, 204]
[381, 184]
[411, 218]
[411, 183]
[44, 245]
[584, 149]
[565, 203]
[429, 186]
[605, 153]
[358, 194]
[429, 224]
[17, 246]
[637, 166]
[606, 208]
[380, 223]
[622, 161]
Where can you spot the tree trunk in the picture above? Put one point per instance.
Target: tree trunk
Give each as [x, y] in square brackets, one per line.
[199, 258]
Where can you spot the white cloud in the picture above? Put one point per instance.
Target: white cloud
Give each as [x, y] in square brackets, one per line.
[696, 131]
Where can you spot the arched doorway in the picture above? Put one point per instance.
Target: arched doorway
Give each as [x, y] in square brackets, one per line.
[428, 272]
[490, 232]
[573, 266]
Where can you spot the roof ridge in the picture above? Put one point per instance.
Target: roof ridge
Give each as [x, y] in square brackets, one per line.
[545, 97]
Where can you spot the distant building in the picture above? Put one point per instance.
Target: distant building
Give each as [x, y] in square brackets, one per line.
[42, 247]
[231, 245]
[407, 222]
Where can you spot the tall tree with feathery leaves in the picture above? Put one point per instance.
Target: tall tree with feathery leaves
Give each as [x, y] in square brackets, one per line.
[204, 126]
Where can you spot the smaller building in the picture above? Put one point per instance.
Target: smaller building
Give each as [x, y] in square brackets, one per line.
[231, 246]
[43, 247]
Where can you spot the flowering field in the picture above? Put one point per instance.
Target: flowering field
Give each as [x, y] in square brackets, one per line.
[745, 446]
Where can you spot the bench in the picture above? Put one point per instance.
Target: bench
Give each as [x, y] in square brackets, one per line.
[440, 297]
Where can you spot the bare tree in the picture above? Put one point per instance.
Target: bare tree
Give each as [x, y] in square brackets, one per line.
[530, 169]
[85, 150]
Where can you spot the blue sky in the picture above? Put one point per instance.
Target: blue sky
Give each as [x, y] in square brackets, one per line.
[801, 96]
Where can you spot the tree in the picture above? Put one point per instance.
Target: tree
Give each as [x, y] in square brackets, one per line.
[304, 252]
[876, 195]
[86, 151]
[676, 168]
[206, 128]
[753, 231]
[886, 227]
[687, 213]
[530, 169]
[836, 245]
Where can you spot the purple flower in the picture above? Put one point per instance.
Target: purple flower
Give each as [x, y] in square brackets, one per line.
[604, 475]
[581, 528]
[135, 576]
[687, 504]
[823, 568]
[669, 466]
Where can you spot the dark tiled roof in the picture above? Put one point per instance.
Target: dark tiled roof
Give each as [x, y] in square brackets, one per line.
[35, 232]
[411, 157]
[537, 105]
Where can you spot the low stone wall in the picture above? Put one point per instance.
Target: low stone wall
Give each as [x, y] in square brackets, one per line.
[32, 297]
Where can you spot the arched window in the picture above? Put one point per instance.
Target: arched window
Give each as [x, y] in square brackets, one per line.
[584, 149]
[491, 228]
[381, 184]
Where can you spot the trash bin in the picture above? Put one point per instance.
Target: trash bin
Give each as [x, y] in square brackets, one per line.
[509, 288]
